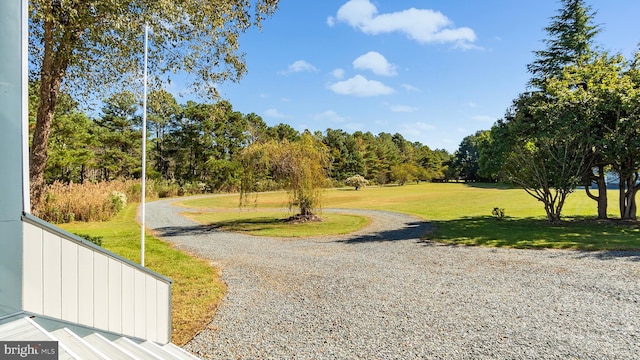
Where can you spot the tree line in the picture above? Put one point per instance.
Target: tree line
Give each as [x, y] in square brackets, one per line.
[199, 143]
[578, 122]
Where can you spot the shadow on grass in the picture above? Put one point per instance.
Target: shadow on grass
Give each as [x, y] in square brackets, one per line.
[173, 231]
[492, 186]
[409, 231]
[247, 225]
[239, 225]
[610, 239]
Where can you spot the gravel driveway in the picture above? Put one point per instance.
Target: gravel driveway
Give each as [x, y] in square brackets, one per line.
[384, 294]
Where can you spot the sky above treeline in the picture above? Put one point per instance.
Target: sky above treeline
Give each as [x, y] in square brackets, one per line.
[433, 71]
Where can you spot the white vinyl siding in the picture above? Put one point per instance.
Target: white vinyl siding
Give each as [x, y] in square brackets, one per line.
[67, 279]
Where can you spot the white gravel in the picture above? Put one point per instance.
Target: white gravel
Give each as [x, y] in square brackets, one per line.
[385, 294]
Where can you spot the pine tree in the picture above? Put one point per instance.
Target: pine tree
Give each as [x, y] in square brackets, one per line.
[571, 34]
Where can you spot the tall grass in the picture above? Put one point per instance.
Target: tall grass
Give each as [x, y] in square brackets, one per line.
[88, 201]
[101, 201]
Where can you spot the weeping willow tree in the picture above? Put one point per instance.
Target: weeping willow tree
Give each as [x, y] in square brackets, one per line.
[301, 167]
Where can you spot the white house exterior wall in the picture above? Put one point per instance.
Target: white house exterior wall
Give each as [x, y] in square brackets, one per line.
[69, 280]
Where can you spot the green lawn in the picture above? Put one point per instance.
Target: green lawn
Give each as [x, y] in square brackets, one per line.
[271, 223]
[461, 214]
[197, 288]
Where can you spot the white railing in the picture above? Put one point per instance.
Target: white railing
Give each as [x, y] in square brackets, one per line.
[68, 278]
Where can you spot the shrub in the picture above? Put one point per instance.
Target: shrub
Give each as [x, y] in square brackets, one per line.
[167, 189]
[498, 212]
[118, 200]
[356, 181]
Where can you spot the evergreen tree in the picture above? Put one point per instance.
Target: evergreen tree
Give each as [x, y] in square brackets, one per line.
[571, 34]
[119, 137]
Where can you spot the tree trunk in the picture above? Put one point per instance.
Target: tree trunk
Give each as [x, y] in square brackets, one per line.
[55, 61]
[602, 193]
[631, 197]
[628, 190]
[633, 206]
[553, 206]
[49, 91]
[552, 216]
[622, 197]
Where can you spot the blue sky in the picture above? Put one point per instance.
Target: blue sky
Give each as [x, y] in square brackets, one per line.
[433, 71]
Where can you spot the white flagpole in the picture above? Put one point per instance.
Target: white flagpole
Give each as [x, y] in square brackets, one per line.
[144, 148]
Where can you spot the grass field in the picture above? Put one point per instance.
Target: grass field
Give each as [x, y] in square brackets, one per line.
[197, 289]
[460, 212]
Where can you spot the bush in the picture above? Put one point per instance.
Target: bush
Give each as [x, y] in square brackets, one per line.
[118, 200]
[498, 212]
[356, 181]
[169, 190]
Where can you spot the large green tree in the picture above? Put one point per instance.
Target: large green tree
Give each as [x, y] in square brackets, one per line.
[190, 143]
[544, 142]
[346, 158]
[229, 136]
[548, 154]
[434, 162]
[601, 97]
[627, 136]
[96, 44]
[163, 114]
[118, 132]
[467, 158]
[571, 34]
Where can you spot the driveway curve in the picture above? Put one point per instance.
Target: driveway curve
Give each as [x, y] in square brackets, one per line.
[383, 293]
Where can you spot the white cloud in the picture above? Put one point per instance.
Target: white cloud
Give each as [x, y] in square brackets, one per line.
[375, 62]
[274, 113]
[421, 25]
[360, 86]
[330, 116]
[403, 108]
[338, 73]
[471, 104]
[410, 87]
[299, 66]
